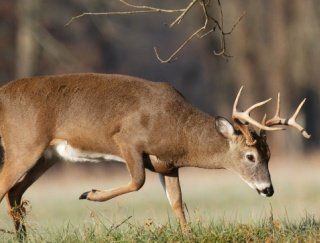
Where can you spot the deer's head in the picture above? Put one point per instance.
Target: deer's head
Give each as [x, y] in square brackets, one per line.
[248, 154]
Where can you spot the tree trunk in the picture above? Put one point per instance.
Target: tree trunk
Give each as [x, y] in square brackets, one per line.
[26, 47]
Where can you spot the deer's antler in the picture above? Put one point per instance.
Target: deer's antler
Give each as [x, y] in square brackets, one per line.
[277, 120]
[242, 119]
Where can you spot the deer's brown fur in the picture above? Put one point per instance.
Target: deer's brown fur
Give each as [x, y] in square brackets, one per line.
[146, 124]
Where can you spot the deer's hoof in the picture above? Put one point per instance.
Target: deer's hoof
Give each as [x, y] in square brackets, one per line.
[85, 194]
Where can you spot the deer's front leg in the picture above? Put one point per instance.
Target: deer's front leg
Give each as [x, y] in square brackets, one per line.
[171, 185]
[136, 170]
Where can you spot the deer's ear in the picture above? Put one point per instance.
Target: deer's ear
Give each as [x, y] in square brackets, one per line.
[224, 127]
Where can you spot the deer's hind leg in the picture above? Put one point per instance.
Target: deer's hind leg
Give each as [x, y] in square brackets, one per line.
[20, 156]
[15, 166]
[14, 195]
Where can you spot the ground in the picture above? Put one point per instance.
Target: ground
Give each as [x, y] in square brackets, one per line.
[210, 196]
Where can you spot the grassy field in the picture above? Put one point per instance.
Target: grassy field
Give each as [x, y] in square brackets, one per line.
[220, 207]
[305, 230]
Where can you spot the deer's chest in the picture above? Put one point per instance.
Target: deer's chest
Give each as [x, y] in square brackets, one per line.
[153, 163]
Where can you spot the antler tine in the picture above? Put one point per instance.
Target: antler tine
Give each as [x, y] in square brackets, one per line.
[257, 105]
[263, 122]
[278, 106]
[277, 114]
[276, 119]
[236, 100]
[242, 127]
[292, 121]
[251, 108]
[298, 109]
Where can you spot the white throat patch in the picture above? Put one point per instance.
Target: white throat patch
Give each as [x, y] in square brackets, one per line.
[66, 152]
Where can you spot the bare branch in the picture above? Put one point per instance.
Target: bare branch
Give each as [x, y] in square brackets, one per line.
[210, 24]
[142, 9]
[108, 14]
[205, 34]
[181, 16]
[235, 24]
[152, 8]
[172, 57]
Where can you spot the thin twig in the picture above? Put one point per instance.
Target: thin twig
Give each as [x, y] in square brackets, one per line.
[172, 57]
[181, 16]
[223, 33]
[109, 14]
[152, 8]
[143, 9]
[205, 34]
[235, 24]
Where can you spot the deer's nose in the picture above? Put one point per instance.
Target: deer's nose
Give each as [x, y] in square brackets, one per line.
[268, 191]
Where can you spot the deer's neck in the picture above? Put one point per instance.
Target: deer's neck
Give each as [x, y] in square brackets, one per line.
[205, 147]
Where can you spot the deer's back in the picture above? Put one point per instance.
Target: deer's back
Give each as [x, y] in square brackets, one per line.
[88, 104]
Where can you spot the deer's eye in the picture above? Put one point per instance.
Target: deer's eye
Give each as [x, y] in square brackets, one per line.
[250, 157]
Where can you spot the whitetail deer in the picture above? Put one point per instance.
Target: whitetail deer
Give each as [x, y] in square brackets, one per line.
[98, 117]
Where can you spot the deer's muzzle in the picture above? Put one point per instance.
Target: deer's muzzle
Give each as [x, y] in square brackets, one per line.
[266, 192]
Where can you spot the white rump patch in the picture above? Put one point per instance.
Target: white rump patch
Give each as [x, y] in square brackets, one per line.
[64, 151]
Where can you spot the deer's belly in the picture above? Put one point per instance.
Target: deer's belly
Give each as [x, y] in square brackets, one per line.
[62, 150]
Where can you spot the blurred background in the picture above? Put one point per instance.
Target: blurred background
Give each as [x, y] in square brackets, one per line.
[275, 48]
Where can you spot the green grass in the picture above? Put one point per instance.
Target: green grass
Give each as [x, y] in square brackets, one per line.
[306, 229]
[221, 208]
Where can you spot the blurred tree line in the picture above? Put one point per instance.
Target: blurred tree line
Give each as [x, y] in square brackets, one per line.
[274, 48]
